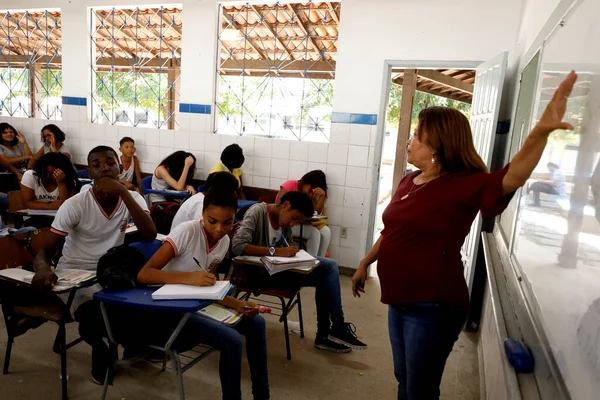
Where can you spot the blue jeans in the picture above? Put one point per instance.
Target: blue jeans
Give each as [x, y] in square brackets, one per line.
[328, 297]
[422, 336]
[228, 340]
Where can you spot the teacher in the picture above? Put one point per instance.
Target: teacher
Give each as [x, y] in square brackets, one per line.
[418, 253]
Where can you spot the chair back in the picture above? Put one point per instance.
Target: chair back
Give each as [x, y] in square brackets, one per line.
[83, 173]
[147, 248]
[146, 184]
[15, 201]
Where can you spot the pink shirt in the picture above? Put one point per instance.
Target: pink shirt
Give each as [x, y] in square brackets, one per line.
[290, 186]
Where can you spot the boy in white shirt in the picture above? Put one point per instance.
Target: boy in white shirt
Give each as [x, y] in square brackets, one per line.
[86, 226]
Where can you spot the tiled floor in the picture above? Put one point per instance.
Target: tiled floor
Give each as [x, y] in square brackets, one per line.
[311, 374]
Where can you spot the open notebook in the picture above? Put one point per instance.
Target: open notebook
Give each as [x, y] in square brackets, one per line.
[189, 292]
[302, 261]
[67, 278]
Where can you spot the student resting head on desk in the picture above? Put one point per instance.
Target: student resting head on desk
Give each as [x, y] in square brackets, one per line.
[317, 234]
[14, 150]
[86, 226]
[232, 159]
[192, 208]
[174, 172]
[190, 256]
[267, 230]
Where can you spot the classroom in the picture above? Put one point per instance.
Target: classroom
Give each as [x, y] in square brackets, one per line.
[300, 199]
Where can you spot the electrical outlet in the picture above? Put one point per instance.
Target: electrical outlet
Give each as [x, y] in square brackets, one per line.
[344, 233]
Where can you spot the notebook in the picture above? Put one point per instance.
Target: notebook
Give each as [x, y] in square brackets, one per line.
[225, 315]
[67, 278]
[189, 292]
[302, 261]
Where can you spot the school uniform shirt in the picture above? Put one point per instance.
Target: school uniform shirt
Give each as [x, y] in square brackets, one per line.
[31, 181]
[236, 172]
[129, 173]
[189, 241]
[190, 210]
[158, 184]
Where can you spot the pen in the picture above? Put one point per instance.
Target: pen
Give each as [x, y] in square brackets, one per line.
[285, 241]
[198, 262]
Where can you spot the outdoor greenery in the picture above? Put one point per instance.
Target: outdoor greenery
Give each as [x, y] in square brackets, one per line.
[15, 90]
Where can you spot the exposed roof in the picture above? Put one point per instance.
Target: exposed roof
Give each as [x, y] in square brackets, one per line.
[450, 83]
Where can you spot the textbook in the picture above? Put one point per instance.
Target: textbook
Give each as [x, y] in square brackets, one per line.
[67, 278]
[225, 315]
[189, 292]
[302, 261]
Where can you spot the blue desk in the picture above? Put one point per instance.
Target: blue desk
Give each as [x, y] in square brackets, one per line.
[246, 204]
[142, 299]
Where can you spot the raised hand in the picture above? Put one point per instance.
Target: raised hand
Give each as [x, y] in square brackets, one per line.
[555, 110]
[21, 138]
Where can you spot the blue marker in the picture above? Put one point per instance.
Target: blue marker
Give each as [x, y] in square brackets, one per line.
[285, 241]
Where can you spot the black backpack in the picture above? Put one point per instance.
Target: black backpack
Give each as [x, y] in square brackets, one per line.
[162, 214]
[119, 267]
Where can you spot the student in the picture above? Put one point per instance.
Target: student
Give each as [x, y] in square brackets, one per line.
[54, 142]
[14, 150]
[266, 228]
[50, 183]
[232, 159]
[174, 172]
[131, 165]
[318, 234]
[86, 226]
[555, 185]
[192, 208]
[191, 255]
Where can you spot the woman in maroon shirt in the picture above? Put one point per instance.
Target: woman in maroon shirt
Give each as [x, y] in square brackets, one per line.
[418, 253]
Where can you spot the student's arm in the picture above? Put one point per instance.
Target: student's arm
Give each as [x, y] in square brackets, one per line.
[180, 185]
[138, 174]
[527, 158]
[361, 274]
[240, 306]
[319, 201]
[4, 164]
[15, 160]
[44, 278]
[139, 211]
[35, 157]
[152, 273]
[26, 150]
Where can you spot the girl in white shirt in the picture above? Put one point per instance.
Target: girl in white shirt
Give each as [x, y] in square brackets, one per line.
[50, 183]
[174, 172]
[191, 255]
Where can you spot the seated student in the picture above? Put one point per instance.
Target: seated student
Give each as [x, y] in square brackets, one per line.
[232, 159]
[131, 176]
[191, 255]
[54, 142]
[50, 183]
[263, 232]
[192, 208]
[86, 226]
[14, 150]
[318, 234]
[174, 172]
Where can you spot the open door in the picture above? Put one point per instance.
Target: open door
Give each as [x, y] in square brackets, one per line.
[484, 119]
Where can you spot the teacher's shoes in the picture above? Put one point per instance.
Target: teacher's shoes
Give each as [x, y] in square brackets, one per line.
[324, 343]
[345, 334]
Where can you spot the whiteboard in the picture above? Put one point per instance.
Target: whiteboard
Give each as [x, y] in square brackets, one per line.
[557, 246]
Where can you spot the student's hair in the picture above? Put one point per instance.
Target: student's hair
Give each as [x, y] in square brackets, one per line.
[175, 163]
[100, 149]
[553, 165]
[449, 135]
[57, 160]
[315, 179]
[220, 198]
[4, 126]
[59, 135]
[221, 181]
[299, 201]
[125, 140]
[233, 156]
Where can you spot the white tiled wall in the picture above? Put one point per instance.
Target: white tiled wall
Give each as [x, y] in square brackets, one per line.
[347, 161]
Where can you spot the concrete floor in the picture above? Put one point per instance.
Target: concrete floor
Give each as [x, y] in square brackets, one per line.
[311, 374]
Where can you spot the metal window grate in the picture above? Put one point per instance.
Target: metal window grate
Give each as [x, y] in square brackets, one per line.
[276, 69]
[136, 57]
[30, 64]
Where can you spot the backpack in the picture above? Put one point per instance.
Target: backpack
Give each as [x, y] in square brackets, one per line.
[119, 267]
[162, 214]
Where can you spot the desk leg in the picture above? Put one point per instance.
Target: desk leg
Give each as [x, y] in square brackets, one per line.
[175, 357]
[112, 343]
[301, 244]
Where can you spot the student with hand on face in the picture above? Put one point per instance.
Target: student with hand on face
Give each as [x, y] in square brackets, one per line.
[174, 172]
[86, 226]
[190, 256]
[54, 142]
[266, 231]
[131, 176]
[14, 150]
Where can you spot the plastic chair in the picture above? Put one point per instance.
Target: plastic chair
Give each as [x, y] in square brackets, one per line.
[146, 184]
[201, 188]
[147, 248]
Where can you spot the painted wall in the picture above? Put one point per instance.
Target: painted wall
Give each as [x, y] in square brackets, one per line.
[371, 32]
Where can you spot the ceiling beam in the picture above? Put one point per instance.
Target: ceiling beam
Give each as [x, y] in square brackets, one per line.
[237, 26]
[128, 36]
[287, 66]
[425, 87]
[272, 32]
[303, 29]
[438, 77]
[333, 13]
[115, 42]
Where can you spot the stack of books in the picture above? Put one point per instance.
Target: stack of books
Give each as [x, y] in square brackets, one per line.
[302, 262]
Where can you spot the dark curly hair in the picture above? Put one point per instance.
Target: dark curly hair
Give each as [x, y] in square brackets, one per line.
[57, 160]
[175, 163]
[59, 135]
[4, 126]
[299, 201]
[233, 157]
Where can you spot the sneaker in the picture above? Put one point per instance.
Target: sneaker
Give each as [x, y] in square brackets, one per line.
[326, 344]
[346, 334]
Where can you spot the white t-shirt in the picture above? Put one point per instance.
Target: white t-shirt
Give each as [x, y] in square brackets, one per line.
[89, 232]
[129, 173]
[190, 210]
[275, 235]
[30, 180]
[188, 241]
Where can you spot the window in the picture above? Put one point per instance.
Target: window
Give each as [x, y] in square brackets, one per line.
[30, 64]
[136, 57]
[276, 69]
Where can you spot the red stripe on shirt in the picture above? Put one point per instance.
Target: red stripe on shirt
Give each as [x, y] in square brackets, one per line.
[59, 232]
[170, 241]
